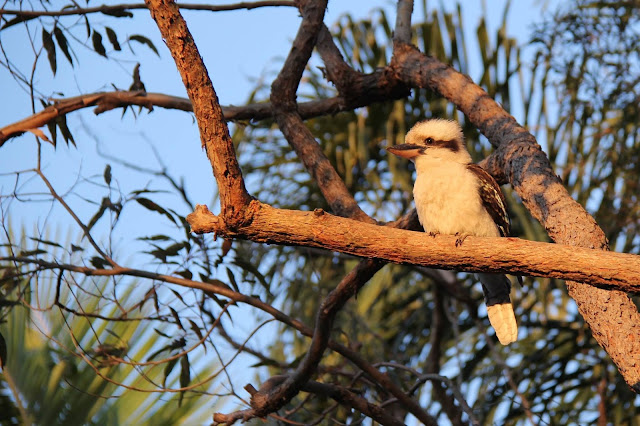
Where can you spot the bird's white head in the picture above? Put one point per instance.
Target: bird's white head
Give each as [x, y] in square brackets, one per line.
[434, 139]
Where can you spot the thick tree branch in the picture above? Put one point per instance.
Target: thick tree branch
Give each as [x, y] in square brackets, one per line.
[607, 270]
[612, 315]
[213, 128]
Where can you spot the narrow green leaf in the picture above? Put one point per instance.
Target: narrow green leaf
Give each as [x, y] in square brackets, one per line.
[28, 253]
[144, 40]
[176, 317]
[150, 205]
[118, 14]
[161, 333]
[185, 375]
[155, 238]
[96, 39]
[51, 243]
[196, 329]
[167, 370]
[97, 216]
[113, 38]
[187, 274]
[50, 47]
[178, 295]
[61, 122]
[3, 352]
[62, 43]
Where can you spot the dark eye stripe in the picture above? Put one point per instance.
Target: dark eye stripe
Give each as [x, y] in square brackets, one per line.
[451, 145]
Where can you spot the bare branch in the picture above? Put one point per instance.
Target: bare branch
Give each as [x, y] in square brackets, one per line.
[607, 270]
[402, 32]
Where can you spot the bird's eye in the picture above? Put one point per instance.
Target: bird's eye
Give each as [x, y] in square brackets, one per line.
[428, 141]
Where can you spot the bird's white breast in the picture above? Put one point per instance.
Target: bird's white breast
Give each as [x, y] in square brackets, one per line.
[447, 200]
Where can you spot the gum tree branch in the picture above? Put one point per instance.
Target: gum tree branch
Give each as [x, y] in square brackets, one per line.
[214, 132]
[605, 270]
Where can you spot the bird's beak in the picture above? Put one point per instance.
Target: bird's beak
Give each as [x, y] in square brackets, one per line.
[406, 150]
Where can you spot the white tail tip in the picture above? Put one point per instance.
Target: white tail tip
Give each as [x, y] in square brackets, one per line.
[503, 321]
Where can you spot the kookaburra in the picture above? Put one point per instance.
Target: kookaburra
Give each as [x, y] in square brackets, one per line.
[454, 196]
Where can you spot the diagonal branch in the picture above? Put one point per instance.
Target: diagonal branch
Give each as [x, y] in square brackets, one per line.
[214, 132]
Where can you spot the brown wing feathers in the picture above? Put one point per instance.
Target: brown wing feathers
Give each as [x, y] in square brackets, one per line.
[492, 198]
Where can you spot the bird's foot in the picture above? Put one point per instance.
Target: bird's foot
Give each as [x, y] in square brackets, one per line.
[460, 239]
[433, 234]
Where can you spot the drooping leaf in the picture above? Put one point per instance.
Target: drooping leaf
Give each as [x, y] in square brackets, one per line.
[98, 262]
[118, 13]
[61, 122]
[187, 274]
[107, 174]
[28, 253]
[96, 217]
[144, 40]
[160, 332]
[185, 375]
[150, 205]
[62, 43]
[176, 317]
[50, 47]
[3, 352]
[50, 243]
[113, 38]
[178, 295]
[96, 39]
[196, 329]
[167, 370]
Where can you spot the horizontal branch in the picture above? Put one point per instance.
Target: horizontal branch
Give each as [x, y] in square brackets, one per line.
[369, 90]
[269, 225]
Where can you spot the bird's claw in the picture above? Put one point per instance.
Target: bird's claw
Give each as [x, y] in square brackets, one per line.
[460, 239]
[433, 234]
